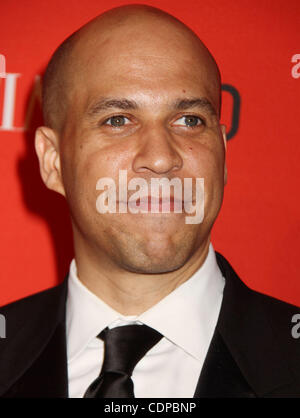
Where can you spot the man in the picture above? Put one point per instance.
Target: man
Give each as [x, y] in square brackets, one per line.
[148, 308]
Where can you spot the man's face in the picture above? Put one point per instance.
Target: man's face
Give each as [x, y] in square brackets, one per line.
[133, 108]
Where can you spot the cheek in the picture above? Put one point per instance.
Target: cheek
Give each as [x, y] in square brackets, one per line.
[205, 161]
[102, 163]
[208, 163]
[84, 167]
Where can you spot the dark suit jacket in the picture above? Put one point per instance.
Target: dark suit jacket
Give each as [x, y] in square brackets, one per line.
[252, 353]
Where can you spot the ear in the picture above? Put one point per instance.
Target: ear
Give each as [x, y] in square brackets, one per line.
[223, 130]
[47, 149]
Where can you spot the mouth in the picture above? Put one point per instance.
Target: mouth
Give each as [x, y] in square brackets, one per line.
[155, 205]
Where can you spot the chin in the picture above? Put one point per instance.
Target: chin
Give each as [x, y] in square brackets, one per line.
[153, 269]
[154, 253]
[153, 265]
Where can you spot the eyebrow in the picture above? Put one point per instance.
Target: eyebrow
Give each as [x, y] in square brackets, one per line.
[200, 102]
[125, 104]
[105, 104]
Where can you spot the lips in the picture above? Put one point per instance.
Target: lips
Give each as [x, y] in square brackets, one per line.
[155, 205]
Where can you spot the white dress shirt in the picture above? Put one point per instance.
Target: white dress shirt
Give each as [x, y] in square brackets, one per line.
[186, 318]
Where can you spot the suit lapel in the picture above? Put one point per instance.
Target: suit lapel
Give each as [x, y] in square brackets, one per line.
[40, 370]
[244, 358]
[47, 376]
[220, 375]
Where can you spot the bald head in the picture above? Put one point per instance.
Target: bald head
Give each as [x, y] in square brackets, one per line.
[127, 30]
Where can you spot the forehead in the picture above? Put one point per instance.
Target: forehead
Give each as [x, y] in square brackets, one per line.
[119, 67]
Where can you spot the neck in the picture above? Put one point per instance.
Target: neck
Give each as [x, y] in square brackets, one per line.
[127, 292]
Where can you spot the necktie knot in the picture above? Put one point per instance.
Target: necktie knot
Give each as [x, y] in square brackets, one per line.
[125, 346]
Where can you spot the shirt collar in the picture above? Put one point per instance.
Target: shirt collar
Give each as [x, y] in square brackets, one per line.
[187, 316]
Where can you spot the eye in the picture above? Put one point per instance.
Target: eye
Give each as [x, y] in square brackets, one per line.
[190, 121]
[116, 121]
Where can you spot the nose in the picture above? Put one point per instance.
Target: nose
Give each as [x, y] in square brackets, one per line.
[157, 152]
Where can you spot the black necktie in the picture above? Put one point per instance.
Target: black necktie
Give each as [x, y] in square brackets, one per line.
[123, 349]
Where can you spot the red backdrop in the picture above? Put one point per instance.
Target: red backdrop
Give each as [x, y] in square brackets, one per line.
[257, 46]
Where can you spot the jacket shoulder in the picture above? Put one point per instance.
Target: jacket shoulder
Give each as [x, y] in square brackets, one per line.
[35, 301]
[276, 305]
[34, 310]
[279, 307]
